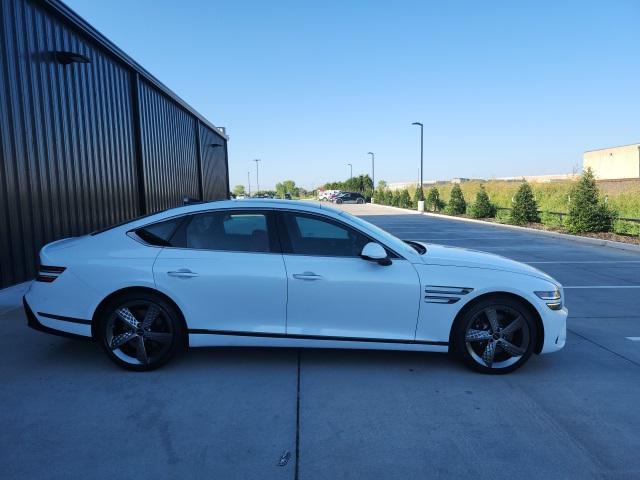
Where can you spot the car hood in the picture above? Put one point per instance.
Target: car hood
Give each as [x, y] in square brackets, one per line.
[464, 257]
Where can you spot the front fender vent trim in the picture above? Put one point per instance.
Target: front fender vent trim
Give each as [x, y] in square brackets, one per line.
[445, 294]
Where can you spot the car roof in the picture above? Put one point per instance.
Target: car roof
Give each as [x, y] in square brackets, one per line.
[273, 203]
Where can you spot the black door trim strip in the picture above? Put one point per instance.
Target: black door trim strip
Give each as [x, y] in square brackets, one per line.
[203, 331]
[65, 319]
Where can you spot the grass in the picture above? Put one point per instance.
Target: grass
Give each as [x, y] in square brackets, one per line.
[622, 196]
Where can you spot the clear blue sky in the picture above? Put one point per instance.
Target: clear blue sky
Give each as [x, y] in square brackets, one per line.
[502, 87]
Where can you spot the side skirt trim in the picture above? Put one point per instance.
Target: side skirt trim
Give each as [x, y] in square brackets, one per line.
[65, 319]
[201, 331]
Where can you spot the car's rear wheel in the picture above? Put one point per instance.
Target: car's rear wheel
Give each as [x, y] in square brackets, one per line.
[496, 335]
[141, 331]
[360, 201]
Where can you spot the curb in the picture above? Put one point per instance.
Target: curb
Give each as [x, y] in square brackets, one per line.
[565, 236]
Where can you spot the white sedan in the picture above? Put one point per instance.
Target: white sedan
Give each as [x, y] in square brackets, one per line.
[275, 273]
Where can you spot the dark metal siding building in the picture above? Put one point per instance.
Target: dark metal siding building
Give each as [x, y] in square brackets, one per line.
[88, 138]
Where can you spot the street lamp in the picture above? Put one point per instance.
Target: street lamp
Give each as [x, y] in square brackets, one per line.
[249, 182]
[350, 170]
[421, 150]
[373, 168]
[257, 178]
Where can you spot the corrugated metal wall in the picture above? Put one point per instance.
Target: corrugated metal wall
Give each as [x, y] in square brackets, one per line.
[168, 151]
[214, 159]
[75, 146]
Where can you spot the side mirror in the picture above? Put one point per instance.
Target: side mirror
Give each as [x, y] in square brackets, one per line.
[375, 252]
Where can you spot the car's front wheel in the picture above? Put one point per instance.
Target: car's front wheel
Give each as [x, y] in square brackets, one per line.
[141, 331]
[338, 201]
[496, 335]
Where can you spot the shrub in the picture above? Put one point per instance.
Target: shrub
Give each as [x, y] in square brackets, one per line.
[433, 201]
[419, 195]
[626, 228]
[395, 198]
[482, 208]
[503, 216]
[404, 200]
[586, 212]
[525, 208]
[457, 204]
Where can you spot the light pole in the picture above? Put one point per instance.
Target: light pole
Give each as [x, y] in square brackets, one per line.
[421, 151]
[249, 182]
[350, 170]
[373, 169]
[257, 178]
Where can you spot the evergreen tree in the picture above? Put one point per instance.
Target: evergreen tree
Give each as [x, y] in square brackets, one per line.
[482, 208]
[525, 208]
[419, 195]
[395, 198]
[404, 199]
[457, 204]
[433, 201]
[586, 212]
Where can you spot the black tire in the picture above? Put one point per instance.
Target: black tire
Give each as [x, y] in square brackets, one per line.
[507, 348]
[360, 201]
[338, 201]
[161, 339]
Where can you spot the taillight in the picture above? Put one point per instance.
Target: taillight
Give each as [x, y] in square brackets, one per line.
[48, 274]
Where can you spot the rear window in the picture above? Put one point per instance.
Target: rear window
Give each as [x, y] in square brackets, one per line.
[159, 234]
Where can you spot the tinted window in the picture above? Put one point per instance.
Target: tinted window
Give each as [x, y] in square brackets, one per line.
[313, 235]
[159, 233]
[227, 230]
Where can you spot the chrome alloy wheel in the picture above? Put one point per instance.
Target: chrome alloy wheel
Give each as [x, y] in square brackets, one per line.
[139, 332]
[497, 337]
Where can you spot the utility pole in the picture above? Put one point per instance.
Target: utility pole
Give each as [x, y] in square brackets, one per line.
[350, 171]
[257, 178]
[421, 151]
[373, 169]
[249, 182]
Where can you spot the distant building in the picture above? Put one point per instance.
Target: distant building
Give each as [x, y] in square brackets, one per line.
[540, 178]
[403, 185]
[615, 162]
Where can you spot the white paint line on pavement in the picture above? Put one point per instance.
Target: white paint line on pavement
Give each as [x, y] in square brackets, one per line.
[584, 261]
[600, 286]
[475, 239]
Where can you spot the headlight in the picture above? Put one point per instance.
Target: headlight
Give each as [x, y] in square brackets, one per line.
[552, 297]
[549, 295]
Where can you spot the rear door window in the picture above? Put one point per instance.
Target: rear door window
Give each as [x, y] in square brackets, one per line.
[228, 230]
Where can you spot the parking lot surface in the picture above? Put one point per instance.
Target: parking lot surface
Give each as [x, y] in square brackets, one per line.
[67, 412]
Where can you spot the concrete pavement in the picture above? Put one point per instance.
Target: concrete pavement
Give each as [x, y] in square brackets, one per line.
[235, 413]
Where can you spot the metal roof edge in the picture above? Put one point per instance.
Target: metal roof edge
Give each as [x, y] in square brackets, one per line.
[616, 146]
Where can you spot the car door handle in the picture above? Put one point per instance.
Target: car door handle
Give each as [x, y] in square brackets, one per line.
[182, 273]
[307, 276]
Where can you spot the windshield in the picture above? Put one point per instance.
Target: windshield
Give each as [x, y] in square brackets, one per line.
[392, 240]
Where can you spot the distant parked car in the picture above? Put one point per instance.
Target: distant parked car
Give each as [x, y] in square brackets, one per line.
[349, 197]
[287, 196]
[328, 195]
